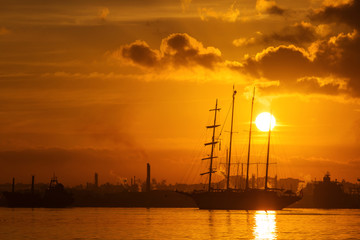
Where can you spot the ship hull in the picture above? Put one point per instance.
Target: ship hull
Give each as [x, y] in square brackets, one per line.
[23, 200]
[253, 199]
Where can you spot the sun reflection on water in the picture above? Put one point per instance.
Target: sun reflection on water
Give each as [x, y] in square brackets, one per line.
[265, 225]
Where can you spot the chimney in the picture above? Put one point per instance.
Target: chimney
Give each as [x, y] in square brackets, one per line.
[32, 184]
[148, 187]
[96, 180]
[13, 185]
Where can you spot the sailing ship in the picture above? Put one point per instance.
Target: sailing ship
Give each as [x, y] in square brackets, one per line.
[240, 199]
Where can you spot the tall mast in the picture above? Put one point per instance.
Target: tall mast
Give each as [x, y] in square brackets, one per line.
[212, 143]
[231, 133]
[267, 156]
[248, 159]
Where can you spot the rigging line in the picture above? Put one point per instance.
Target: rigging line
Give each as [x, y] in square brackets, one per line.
[224, 121]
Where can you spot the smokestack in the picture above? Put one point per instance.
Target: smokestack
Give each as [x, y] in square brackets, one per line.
[32, 184]
[13, 185]
[148, 187]
[96, 180]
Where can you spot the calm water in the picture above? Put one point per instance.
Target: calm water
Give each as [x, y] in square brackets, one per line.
[140, 223]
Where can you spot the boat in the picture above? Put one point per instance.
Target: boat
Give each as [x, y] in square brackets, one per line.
[55, 196]
[331, 194]
[237, 198]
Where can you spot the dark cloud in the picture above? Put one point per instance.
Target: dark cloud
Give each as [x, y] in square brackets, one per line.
[299, 33]
[339, 56]
[286, 63]
[327, 70]
[178, 49]
[140, 53]
[345, 13]
[276, 10]
[296, 34]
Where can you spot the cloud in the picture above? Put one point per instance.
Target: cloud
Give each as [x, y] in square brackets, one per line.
[279, 63]
[340, 56]
[244, 42]
[176, 50]
[329, 66]
[231, 15]
[139, 53]
[343, 12]
[269, 7]
[299, 34]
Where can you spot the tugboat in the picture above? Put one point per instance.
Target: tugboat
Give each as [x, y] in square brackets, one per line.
[54, 197]
[241, 199]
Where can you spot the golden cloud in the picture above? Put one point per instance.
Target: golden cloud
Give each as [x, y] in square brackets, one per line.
[231, 15]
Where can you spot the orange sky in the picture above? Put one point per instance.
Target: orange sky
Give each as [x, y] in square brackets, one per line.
[107, 86]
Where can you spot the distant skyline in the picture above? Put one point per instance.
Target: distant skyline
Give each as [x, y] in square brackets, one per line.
[107, 86]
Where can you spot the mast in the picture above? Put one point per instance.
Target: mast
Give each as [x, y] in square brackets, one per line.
[212, 143]
[267, 156]
[248, 159]
[231, 133]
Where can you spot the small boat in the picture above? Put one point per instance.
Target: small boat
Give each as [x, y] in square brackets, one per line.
[240, 199]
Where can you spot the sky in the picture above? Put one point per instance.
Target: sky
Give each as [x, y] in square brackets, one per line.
[107, 86]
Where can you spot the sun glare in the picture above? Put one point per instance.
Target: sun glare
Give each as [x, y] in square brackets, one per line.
[263, 121]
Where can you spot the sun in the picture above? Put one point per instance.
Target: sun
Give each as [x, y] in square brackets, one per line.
[263, 121]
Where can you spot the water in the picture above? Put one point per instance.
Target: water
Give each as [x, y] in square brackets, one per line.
[141, 223]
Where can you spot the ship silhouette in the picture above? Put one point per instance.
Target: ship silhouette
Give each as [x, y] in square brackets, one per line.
[331, 194]
[240, 199]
